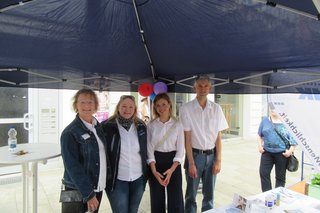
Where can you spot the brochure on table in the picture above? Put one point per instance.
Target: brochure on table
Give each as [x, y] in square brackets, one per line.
[290, 202]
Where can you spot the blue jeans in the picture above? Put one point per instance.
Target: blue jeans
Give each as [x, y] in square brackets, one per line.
[204, 165]
[126, 196]
[267, 161]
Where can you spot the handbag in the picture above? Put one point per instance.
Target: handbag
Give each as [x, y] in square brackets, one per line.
[71, 201]
[69, 196]
[293, 163]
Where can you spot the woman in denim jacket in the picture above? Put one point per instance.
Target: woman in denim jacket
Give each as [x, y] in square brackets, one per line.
[84, 155]
[127, 150]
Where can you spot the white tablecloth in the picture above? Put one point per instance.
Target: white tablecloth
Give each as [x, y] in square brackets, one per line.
[290, 202]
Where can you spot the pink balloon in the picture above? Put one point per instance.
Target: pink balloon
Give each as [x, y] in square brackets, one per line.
[160, 87]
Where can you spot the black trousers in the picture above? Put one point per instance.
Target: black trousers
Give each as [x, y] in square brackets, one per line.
[164, 160]
[267, 161]
[79, 207]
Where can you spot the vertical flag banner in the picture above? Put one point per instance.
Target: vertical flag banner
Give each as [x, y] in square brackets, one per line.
[300, 113]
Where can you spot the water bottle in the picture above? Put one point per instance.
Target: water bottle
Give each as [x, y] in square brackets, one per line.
[12, 140]
[278, 199]
[269, 202]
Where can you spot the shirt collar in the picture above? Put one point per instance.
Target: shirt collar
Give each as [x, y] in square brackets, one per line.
[169, 121]
[196, 104]
[90, 126]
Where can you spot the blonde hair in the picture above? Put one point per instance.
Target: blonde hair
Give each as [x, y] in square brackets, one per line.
[166, 97]
[122, 98]
[87, 92]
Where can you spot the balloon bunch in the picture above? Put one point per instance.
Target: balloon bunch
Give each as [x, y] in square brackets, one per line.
[147, 89]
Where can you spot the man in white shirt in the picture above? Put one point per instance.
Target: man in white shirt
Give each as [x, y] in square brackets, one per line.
[203, 121]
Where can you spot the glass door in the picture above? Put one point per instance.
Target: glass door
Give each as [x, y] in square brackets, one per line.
[14, 106]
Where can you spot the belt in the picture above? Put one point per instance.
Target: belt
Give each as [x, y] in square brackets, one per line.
[203, 152]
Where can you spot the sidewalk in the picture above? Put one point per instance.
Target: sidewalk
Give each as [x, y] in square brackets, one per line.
[239, 174]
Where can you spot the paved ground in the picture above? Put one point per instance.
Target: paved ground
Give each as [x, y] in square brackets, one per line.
[240, 163]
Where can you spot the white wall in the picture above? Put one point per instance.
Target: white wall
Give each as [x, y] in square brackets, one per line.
[252, 112]
[44, 116]
[65, 108]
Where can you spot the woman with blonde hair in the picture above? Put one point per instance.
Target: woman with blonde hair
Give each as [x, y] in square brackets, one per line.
[126, 138]
[165, 154]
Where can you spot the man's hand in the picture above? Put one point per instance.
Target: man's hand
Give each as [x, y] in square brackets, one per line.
[193, 171]
[216, 168]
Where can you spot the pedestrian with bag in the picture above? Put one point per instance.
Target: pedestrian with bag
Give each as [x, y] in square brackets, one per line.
[165, 155]
[274, 150]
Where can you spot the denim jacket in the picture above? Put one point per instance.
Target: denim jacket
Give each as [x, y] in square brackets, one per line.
[80, 153]
[113, 140]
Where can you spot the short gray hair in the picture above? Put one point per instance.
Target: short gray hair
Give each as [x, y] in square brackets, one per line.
[202, 77]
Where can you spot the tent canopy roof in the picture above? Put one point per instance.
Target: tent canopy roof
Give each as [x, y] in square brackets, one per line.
[245, 46]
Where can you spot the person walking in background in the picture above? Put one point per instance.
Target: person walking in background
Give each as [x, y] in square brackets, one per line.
[273, 151]
[83, 148]
[126, 137]
[143, 111]
[203, 121]
[165, 154]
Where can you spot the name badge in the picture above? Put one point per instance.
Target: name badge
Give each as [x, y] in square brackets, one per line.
[85, 136]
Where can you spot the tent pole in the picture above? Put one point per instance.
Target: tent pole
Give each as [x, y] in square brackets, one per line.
[144, 40]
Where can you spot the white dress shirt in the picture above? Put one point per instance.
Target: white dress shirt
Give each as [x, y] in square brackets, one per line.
[102, 155]
[204, 124]
[174, 142]
[130, 161]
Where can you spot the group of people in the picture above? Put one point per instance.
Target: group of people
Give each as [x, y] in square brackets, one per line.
[121, 154]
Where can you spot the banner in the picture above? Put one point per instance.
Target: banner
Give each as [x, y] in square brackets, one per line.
[300, 113]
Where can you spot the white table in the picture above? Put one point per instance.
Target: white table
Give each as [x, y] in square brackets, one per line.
[290, 201]
[37, 152]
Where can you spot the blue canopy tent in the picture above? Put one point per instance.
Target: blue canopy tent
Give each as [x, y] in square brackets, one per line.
[245, 46]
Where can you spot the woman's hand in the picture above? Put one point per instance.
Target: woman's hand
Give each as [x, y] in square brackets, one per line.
[159, 177]
[260, 144]
[287, 153]
[93, 204]
[261, 149]
[156, 174]
[167, 175]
